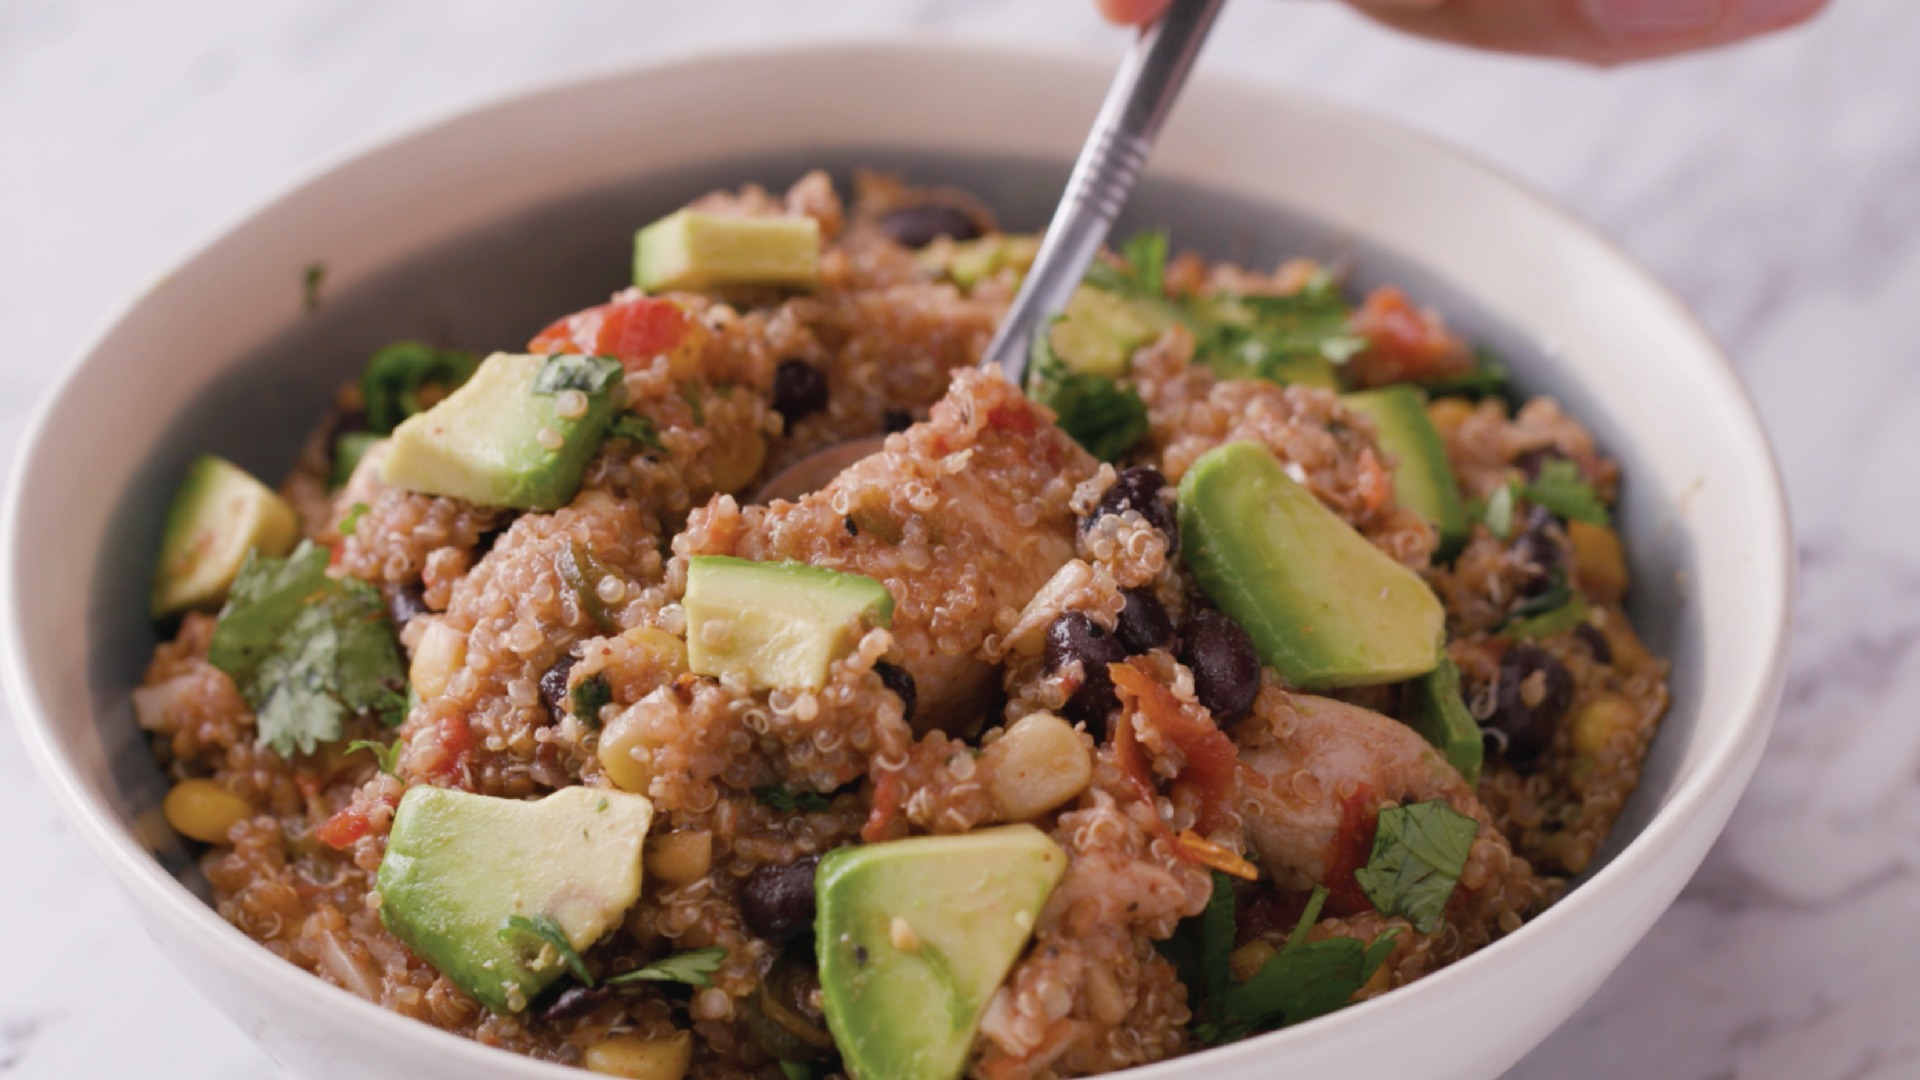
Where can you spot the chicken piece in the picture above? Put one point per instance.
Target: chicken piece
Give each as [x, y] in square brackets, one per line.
[1314, 774]
[959, 517]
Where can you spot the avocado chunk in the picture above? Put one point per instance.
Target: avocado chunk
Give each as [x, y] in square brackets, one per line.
[218, 514]
[1325, 608]
[348, 449]
[1099, 331]
[776, 624]
[1441, 717]
[1422, 476]
[501, 439]
[966, 262]
[1284, 339]
[470, 882]
[914, 936]
[691, 250]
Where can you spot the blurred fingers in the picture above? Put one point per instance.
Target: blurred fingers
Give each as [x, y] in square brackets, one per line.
[1131, 12]
[1596, 31]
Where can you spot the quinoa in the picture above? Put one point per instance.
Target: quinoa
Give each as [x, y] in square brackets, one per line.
[992, 529]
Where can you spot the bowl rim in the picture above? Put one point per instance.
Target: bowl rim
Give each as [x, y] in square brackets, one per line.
[1729, 757]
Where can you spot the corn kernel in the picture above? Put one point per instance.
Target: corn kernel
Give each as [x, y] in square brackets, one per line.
[638, 1058]
[203, 810]
[442, 652]
[1246, 961]
[666, 650]
[626, 757]
[1598, 560]
[680, 858]
[1448, 413]
[1038, 764]
[1596, 722]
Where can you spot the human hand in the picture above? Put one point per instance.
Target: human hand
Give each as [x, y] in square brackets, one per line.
[1596, 31]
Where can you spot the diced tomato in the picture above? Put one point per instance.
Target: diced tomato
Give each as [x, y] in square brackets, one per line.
[1351, 848]
[1018, 419]
[343, 828]
[456, 739]
[889, 795]
[1211, 758]
[1403, 342]
[633, 330]
[1376, 483]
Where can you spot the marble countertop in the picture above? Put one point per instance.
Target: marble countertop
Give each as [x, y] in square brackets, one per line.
[1776, 186]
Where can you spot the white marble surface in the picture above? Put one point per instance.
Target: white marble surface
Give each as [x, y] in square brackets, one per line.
[1776, 186]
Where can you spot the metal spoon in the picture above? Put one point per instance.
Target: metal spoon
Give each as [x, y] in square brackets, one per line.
[1136, 105]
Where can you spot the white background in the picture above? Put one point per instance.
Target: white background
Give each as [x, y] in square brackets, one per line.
[1776, 186]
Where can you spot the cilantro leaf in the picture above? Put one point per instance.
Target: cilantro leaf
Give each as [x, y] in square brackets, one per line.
[387, 757]
[1559, 488]
[1100, 414]
[305, 649]
[352, 520]
[1556, 594]
[1487, 378]
[588, 696]
[393, 379]
[1303, 980]
[1216, 941]
[545, 930]
[796, 1070]
[787, 802]
[690, 390]
[638, 428]
[691, 968]
[1292, 338]
[567, 371]
[1146, 270]
[1418, 853]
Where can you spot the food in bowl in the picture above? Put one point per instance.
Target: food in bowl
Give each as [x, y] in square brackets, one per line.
[1263, 655]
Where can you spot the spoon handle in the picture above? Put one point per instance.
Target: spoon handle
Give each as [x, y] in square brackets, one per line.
[1137, 103]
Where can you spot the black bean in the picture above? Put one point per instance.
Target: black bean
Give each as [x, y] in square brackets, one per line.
[900, 681]
[553, 687]
[575, 1002]
[1074, 636]
[1596, 642]
[1537, 547]
[1144, 623]
[1530, 462]
[917, 226]
[1139, 489]
[777, 901]
[1225, 665]
[404, 602]
[895, 420]
[799, 390]
[1530, 699]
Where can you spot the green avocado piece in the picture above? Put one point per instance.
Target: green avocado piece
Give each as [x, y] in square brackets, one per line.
[1231, 339]
[218, 514]
[691, 250]
[914, 936]
[459, 867]
[1441, 717]
[966, 262]
[348, 449]
[1423, 478]
[500, 440]
[1325, 608]
[1099, 330]
[776, 624]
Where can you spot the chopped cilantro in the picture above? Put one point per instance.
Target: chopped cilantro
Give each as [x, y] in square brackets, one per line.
[1146, 270]
[1559, 488]
[690, 390]
[638, 428]
[691, 968]
[1557, 620]
[1303, 980]
[1098, 413]
[394, 378]
[796, 1070]
[352, 520]
[311, 279]
[305, 649]
[588, 696]
[787, 802]
[1487, 378]
[544, 929]
[387, 757]
[587, 374]
[1278, 338]
[1418, 853]
[1216, 941]
[1556, 595]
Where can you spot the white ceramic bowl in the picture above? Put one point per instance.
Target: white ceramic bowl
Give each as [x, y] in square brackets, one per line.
[479, 228]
